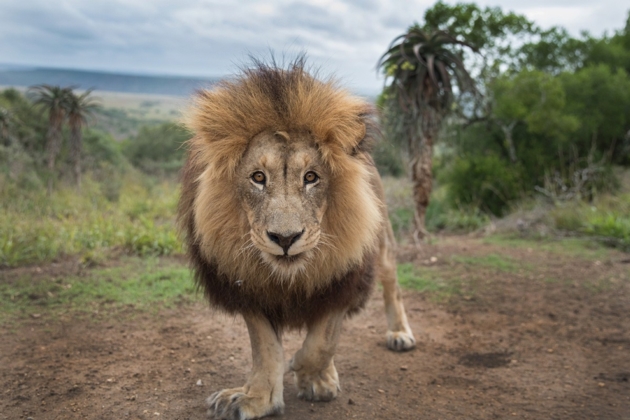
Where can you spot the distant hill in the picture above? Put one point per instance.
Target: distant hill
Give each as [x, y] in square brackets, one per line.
[11, 75]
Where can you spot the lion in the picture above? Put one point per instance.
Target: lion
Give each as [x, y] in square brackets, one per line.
[283, 215]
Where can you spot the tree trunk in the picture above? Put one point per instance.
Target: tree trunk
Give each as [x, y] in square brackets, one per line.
[53, 144]
[422, 178]
[76, 144]
[509, 140]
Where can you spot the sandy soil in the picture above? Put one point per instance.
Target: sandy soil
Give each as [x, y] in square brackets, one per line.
[514, 346]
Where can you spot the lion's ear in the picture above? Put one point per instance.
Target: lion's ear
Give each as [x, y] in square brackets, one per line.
[371, 137]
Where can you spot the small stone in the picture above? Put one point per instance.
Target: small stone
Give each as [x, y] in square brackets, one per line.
[433, 260]
[350, 401]
[36, 316]
[404, 368]
[381, 391]
[601, 384]
[199, 383]
[231, 357]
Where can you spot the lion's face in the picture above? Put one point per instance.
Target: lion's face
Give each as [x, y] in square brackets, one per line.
[283, 184]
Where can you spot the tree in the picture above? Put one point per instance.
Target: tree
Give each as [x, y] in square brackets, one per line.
[426, 68]
[600, 99]
[534, 98]
[553, 51]
[79, 108]
[55, 100]
[158, 150]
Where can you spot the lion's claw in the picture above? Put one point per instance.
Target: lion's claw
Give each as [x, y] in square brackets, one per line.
[318, 386]
[400, 340]
[235, 404]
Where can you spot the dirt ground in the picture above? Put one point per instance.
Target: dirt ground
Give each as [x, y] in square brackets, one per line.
[547, 341]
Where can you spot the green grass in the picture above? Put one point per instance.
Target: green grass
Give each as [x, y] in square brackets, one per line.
[141, 283]
[606, 220]
[425, 280]
[574, 247]
[35, 228]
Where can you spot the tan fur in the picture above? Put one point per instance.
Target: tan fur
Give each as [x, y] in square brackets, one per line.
[226, 118]
[278, 122]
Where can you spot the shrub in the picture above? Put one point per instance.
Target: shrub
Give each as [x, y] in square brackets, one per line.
[158, 150]
[487, 182]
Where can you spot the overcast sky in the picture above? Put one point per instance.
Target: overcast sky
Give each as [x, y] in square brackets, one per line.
[210, 37]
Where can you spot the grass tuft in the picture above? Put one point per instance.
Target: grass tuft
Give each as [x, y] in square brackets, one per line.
[143, 284]
[36, 228]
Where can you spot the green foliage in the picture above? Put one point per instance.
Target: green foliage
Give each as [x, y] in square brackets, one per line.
[441, 217]
[158, 150]
[600, 99]
[556, 107]
[488, 182]
[607, 219]
[535, 98]
[425, 67]
[483, 28]
[553, 52]
[36, 228]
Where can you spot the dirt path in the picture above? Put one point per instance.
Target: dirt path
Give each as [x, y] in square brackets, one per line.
[542, 335]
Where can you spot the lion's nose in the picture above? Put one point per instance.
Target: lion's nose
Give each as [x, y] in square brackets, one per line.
[285, 241]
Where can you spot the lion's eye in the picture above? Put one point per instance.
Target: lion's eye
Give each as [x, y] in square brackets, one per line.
[310, 177]
[259, 177]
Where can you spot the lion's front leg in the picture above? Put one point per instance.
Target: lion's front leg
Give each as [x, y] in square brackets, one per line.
[399, 334]
[262, 394]
[315, 374]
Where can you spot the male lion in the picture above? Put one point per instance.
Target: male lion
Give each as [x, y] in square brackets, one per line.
[283, 214]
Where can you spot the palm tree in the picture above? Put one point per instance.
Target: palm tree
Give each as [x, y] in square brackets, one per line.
[79, 108]
[55, 100]
[425, 70]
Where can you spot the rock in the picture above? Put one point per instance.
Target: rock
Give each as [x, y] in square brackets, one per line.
[199, 383]
[350, 401]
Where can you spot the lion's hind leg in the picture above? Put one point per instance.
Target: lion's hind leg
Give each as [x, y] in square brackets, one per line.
[399, 334]
[262, 394]
[313, 366]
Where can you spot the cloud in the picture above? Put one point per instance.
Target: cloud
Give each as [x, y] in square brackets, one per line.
[207, 37]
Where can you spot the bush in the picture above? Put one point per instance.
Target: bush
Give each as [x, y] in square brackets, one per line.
[158, 150]
[606, 219]
[487, 182]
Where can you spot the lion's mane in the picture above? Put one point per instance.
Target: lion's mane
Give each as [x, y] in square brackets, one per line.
[223, 120]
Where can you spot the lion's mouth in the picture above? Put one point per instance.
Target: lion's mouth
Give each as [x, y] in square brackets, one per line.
[288, 259]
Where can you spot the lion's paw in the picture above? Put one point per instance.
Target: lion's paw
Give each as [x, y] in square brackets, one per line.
[400, 340]
[236, 404]
[318, 386]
